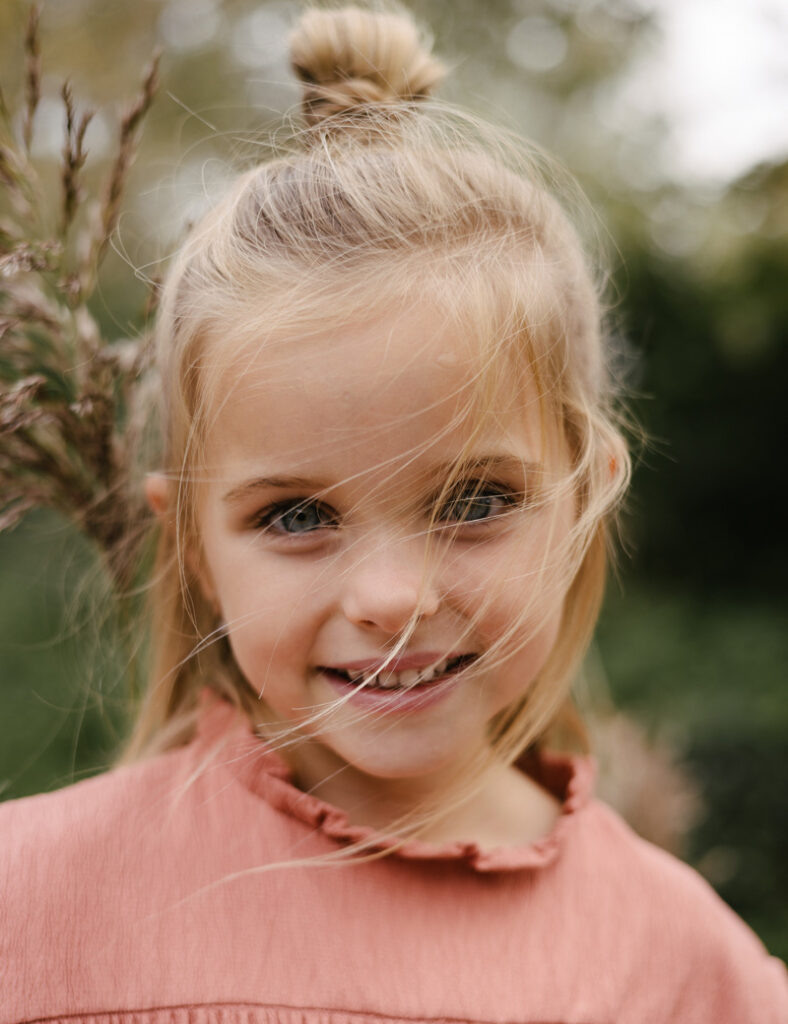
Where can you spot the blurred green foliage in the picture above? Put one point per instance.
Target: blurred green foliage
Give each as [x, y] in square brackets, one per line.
[62, 695]
[712, 371]
[693, 640]
[707, 672]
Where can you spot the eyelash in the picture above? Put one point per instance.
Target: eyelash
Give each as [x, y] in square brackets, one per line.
[276, 513]
[473, 492]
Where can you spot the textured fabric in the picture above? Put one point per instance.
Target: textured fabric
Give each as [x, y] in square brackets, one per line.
[137, 898]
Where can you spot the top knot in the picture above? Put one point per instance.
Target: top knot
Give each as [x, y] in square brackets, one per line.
[351, 58]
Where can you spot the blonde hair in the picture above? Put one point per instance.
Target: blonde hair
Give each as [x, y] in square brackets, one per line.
[382, 195]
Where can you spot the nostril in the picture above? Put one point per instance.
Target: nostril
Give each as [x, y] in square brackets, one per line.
[389, 615]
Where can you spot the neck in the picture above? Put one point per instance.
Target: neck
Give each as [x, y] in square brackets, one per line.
[371, 800]
[503, 807]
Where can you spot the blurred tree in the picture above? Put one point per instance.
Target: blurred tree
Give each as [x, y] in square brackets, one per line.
[712, 332]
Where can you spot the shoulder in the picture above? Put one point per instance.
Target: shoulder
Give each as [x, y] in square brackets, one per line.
[95, 845]
[631, 866]
[88, 874]
[700, 960]
[54, 842]
[108, 844]
[82, 812]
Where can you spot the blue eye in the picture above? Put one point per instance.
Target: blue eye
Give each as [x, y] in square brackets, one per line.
[297, 517]
[476, 502]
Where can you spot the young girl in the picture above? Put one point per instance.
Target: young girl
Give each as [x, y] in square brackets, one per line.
[389, 466]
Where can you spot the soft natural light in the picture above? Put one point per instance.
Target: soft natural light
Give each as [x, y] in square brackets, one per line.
[719, 76]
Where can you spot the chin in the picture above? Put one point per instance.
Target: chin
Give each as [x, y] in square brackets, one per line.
[402, 763]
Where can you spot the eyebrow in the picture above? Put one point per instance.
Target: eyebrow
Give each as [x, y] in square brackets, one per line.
[504, 463]
[494, 462]
[262, 483]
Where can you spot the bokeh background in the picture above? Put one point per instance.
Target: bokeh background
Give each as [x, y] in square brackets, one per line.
[672, 115]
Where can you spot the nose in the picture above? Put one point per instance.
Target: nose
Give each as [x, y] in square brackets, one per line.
[387, 587]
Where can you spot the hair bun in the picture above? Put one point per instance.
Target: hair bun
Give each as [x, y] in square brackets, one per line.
[351, 58]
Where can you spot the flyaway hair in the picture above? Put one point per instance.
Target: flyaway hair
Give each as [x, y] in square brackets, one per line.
[381, 195]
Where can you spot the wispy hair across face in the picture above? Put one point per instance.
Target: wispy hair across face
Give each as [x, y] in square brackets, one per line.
[381, 198]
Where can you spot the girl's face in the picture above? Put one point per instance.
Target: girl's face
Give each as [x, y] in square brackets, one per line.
[331, 553]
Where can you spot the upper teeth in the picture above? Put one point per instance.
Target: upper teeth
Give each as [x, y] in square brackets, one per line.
[405, 679]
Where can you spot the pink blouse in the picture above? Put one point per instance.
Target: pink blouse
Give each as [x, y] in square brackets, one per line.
[141, 897]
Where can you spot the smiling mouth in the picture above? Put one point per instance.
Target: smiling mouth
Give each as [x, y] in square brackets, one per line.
[406, 679]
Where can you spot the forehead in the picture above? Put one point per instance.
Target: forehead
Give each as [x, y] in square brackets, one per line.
[394, 385]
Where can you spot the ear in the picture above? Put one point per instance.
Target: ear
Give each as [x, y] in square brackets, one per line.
[618, 465]
[157, 494]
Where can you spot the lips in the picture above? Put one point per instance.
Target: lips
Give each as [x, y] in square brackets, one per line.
[404, 673]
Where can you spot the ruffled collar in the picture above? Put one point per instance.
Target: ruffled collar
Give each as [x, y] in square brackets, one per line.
[262, 771]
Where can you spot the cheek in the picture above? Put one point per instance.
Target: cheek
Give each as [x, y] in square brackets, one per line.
[490, 582]
[271, 611]
[520, 647]
[269, 644]
[246, 584]
[512, 627]
[262, 611]
[509, 594]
